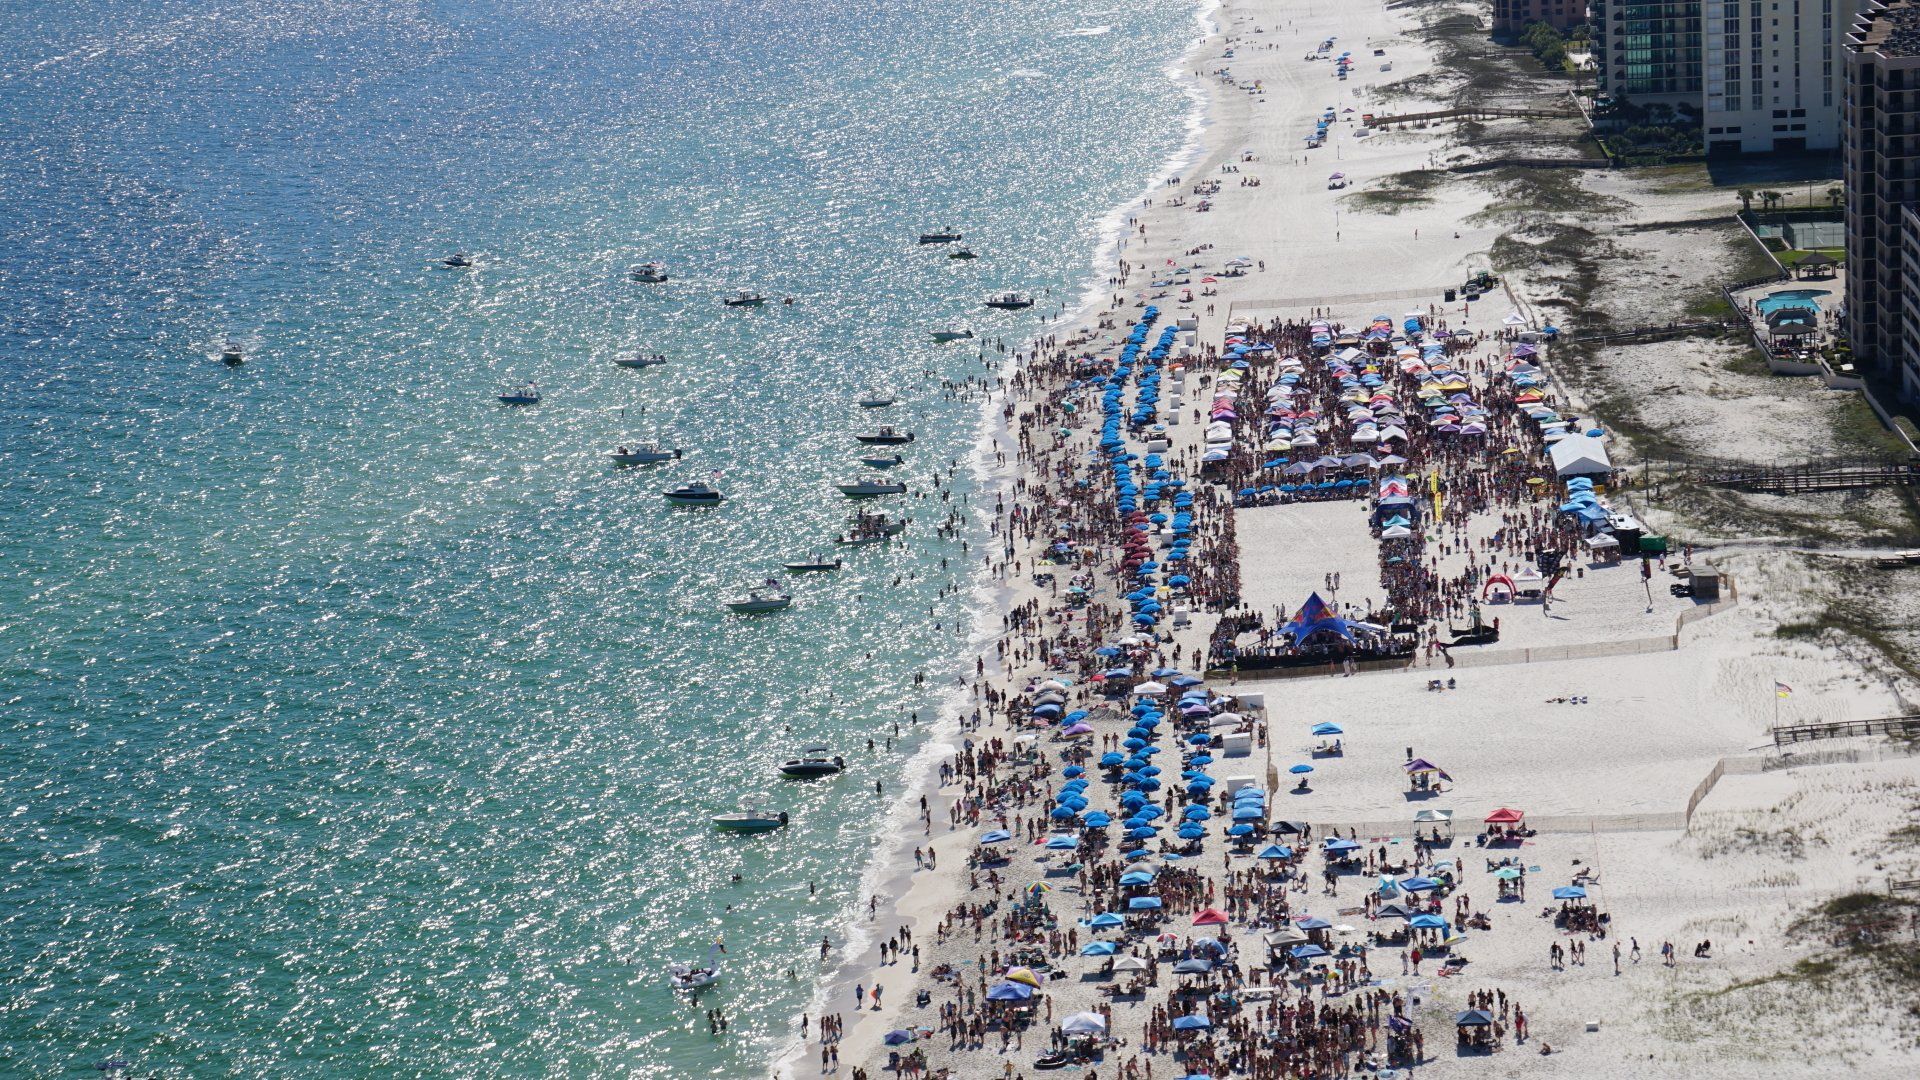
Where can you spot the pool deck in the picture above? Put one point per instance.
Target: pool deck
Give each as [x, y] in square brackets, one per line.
[1832, 288]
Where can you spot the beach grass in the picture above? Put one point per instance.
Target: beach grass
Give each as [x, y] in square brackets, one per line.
[1397, 192]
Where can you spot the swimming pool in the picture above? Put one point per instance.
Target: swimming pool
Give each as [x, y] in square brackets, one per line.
[1787, 298]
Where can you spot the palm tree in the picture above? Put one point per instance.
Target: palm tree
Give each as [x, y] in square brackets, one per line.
[1771, 199]
[1835, 196]
[1746, 198]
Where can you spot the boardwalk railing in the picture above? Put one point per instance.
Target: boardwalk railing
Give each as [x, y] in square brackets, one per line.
[1471, 114]
[1902, 726]
[1833, 474]
[1673, 329]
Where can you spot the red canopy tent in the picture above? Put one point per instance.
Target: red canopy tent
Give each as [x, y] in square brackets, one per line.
[1504, 816]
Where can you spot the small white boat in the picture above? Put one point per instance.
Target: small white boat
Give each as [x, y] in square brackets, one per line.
[640, 360]
[695, 494]
[886, 436]
[813, 762]
[691, 977]
[1010, 302]
[871, 486]
[946, 236]
[811, 566]
[457, 260]
[685, 978]
[877, 399]
[652, 273]
[231, 354]
[865, 529]
[645, 453]
[526, 395]
[743, 298]
[883, 462]
[941, 337]
[760, 601]
[751, 821]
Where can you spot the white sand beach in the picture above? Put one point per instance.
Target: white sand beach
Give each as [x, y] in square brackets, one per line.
[1628, 723]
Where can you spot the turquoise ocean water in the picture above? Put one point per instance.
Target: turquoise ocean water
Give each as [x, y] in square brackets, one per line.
[353, 723]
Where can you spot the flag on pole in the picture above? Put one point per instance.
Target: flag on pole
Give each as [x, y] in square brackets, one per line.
[1782, 690]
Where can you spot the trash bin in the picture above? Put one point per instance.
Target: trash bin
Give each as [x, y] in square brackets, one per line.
[1452, 295]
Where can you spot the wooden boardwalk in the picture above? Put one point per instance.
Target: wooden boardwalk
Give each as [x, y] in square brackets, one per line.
[1900, 726]
[1832, 474]
[1473, 114]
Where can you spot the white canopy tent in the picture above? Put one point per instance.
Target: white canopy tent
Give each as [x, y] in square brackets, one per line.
[1580, 455]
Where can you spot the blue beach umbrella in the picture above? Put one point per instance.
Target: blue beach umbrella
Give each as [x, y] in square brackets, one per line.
[1062, 843]
[1240, 830]
[1010, 991]
[1301, 770]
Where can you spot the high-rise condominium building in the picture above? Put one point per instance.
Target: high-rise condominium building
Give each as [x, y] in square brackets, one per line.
[1772, 72]
[1880, 161]
[1512, 16]
[1648, 51]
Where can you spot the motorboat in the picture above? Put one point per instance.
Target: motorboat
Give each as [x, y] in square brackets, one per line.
[760, 601]
[645, 453]
[696, 977]
[810, 566]
[652, 273]
[751, 821]
[962, 253]
[694, 494]
[457, 260]
[1010, 302]
[883, 462]
[945, 237]
[941, 337]
[812, 762]
[870, 487]
[886, 436]
[526, 395]
[743, 298]
[877, 399]
[231, 354]
[683, 977]
[640, 360]
[865, 528]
